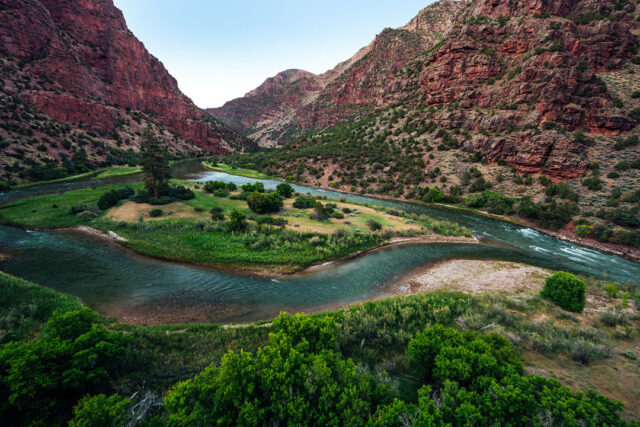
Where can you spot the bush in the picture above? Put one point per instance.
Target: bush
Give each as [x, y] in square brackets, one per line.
[154, 213]
[304, 202]
[635, 114]
[374, 225]
[223, 192]
[237, 221]
[285, 190]
[434, 195]
[262, 203]
[108, 200]
[256, 187]
[44, 378]
[217, 214]
[212, 186]
[101, 411]
[4, 186]
[565, 290]
[271, 220]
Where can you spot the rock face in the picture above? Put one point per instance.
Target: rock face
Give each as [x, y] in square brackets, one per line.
[513, 76]
[77, 62]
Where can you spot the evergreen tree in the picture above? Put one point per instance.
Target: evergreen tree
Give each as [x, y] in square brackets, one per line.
[154, 163]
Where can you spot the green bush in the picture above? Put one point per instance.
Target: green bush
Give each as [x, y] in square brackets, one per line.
[285, 190]
[100, 411]
[374, 225]
[263, 203]
[41, 380]
[154, 213]
[565, 290]
[304, 202]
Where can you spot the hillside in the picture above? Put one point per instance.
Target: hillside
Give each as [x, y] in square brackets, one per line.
[291, 102]
[516, 97]
[76, 84]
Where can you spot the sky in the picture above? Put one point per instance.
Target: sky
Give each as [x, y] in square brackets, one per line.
[220, 50]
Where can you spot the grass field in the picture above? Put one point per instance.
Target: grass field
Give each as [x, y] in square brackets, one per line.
[249, 173]
[118, 171]
[185, 231]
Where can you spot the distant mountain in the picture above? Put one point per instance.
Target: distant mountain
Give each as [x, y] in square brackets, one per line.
[294, 100]
[506, 75]
[70, 65]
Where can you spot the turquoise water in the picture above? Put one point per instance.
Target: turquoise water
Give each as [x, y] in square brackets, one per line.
[106, 276]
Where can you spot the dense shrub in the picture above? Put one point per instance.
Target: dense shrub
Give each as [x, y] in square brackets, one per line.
[212, 186]
[262, 203]
[304, 202]
[271, 220]
[297, 379]
[285, 190]
[374, 225]
[100, 410]
[565, 290]
[154, 213]
[108, 200]
[41, 380]
[434, 195]
[237, 221]
[256, 187]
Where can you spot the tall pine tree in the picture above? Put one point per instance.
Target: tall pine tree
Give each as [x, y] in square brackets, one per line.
[154, 163]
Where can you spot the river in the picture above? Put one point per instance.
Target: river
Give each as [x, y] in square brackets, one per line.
[114, 281]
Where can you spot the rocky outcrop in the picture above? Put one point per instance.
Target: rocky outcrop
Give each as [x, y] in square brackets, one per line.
[496, 70]
[78, 63]
[283, 106]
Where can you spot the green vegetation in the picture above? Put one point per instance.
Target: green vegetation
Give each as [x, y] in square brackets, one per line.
[427, 358]
[154, 163]
[224, 231]
[118, 171]
[565, 290]
[247, 172]
[263, 203]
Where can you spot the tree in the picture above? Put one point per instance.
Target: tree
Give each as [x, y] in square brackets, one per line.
[154, 163]
[284, 189]
[41, 380]
[101, 411]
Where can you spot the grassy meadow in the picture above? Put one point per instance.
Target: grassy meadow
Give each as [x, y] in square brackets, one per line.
[186, 231]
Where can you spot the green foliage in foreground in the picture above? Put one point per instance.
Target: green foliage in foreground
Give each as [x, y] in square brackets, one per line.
[318, 369]
[469, 379]
[24, 307]
[41, 380]
[565, 290]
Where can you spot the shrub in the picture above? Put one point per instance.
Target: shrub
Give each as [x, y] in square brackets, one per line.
[256, 187]
[635, 114]
[223, 192]
[262, 203]
[583, 230]
[108, 200]
[217, 214]
[434, 195]
[565, 290]
[304, 202]
[374, 225]
[285, 190]
[212, 186]
[100, 410]
[154, 213]
[44, 378]
[237, 221]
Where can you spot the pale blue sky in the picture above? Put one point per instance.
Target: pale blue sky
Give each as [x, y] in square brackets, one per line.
[220, 50]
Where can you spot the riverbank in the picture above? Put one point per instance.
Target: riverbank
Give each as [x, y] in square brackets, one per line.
[566, 235]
